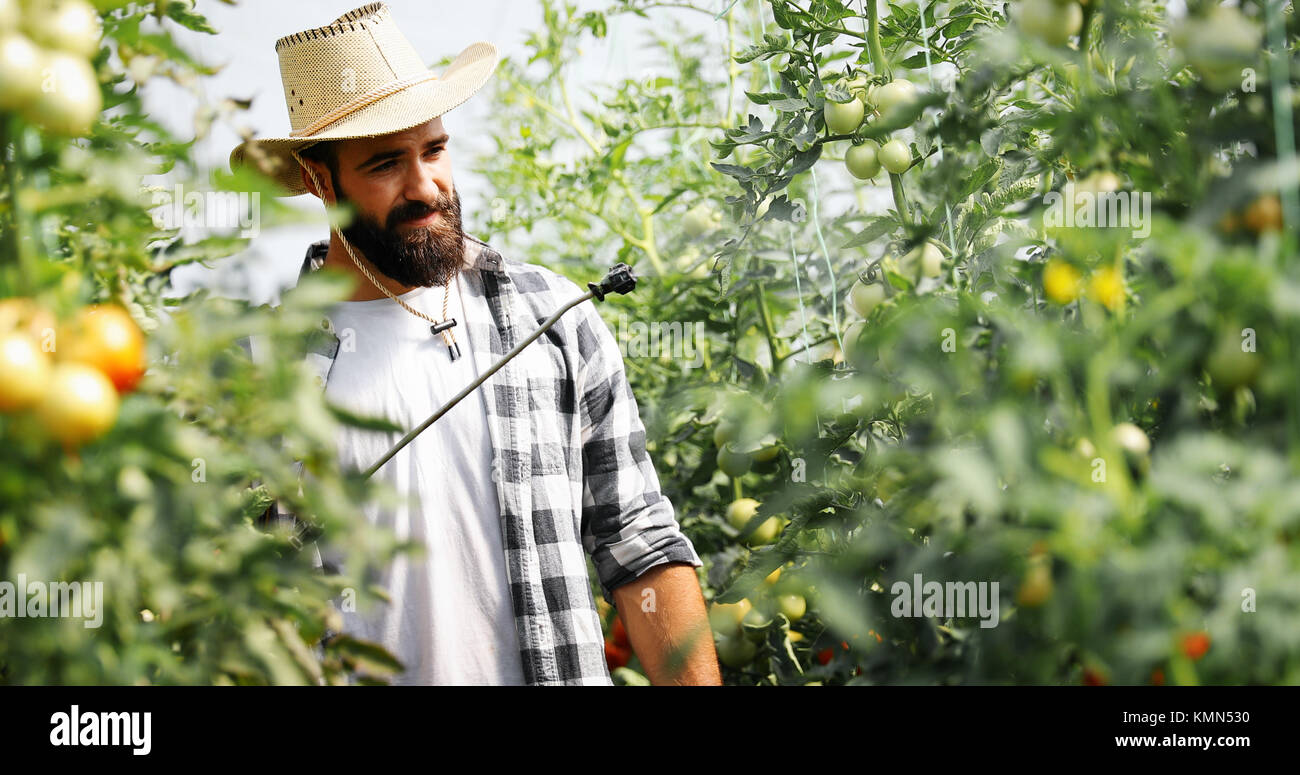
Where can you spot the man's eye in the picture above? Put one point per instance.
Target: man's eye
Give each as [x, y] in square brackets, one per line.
[436, 152]
[385, 166]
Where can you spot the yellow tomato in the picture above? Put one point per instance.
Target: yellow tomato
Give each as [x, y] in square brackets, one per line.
[24, 372]
[80, 406]
[1061, 281]
[1107, 287]
[725, 618]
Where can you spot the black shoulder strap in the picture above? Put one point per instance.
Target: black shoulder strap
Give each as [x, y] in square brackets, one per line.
[315, 257]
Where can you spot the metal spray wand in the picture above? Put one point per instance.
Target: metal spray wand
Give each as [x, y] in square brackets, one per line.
[619, 280]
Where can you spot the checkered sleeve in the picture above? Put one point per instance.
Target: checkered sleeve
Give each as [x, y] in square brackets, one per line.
[628, 526]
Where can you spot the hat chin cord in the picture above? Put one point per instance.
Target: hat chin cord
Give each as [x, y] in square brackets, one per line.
[439, 326]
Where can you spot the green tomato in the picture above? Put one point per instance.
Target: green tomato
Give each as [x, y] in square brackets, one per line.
[766, 453]
[736, 651]
[724, 433]
[1099, 182]
[923, 261]
[852, 335]
[1051, 21]
[741, 511]
[1131, 439]
[72, 101]
[865, 297]
[854, 332]
[858, 87]
[844, 117]
[700, 220]
[1219, 46]
[1231, 367]
[766, 532]
[792, 606]
[20, 72]
[755, 618]
[896, 96]
[862, 161]
[895, 157]
[733, 463]
[70, 25]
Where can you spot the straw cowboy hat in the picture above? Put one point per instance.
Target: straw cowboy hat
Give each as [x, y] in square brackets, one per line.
[358, 77]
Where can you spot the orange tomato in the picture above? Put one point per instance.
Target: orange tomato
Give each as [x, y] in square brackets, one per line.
[1196, 644]
[105, 337]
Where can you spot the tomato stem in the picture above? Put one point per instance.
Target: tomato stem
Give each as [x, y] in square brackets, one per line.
[773, 344]
[11, 181]
[900, 198]
[873, 39]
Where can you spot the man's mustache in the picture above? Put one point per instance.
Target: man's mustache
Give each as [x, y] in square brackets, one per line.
[413, 210]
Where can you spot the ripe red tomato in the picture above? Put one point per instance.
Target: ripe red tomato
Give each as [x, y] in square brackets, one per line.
[825, 656]
[1196, 644]
[615, 655]
[105, 336]
[1093, 677]
[618, 633]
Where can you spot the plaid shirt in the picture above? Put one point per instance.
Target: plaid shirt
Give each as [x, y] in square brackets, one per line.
[570, 463]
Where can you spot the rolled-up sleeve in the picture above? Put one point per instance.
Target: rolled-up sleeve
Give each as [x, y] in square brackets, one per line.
[628, 526]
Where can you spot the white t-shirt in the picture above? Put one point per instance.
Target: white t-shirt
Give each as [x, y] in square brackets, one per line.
[450, 620]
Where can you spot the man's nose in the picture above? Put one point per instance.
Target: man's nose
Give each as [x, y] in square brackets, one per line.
[423, 185]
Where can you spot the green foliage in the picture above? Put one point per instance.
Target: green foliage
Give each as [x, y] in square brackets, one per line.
[165, 511]
[967, 430]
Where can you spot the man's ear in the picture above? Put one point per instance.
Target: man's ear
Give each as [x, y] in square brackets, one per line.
[323, 175]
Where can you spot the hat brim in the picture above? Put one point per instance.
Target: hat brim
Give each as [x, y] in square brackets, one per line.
[397, 112]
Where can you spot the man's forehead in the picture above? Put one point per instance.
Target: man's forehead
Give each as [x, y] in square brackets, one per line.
[416, 136]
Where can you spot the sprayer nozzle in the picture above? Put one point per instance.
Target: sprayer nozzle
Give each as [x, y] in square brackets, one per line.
[619, 280]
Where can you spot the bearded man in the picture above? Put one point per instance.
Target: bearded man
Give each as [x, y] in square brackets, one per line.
[539, 468]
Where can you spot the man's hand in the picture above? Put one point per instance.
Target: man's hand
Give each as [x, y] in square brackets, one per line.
[668, 626]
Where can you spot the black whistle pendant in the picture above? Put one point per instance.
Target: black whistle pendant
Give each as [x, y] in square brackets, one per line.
[453, 348]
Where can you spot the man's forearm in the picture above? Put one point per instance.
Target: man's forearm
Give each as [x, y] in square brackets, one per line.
[669, 626]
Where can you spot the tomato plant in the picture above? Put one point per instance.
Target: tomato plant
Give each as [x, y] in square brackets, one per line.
[157, 488]
[961, 382]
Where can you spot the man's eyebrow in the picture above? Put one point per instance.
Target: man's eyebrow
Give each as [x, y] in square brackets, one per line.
[383, 156]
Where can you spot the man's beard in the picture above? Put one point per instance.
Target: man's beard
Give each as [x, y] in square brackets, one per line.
[425, 256]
